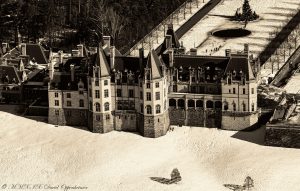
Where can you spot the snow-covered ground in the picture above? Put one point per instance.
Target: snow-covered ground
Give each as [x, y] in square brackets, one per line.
[177, 18]
[273, 14]
[37, 153]
[293, 84]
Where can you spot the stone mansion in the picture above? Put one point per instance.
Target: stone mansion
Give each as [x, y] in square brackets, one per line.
[108, 91]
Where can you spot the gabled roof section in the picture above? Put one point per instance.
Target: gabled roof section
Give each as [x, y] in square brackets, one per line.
[36, 51]
[101, 61]
[175, 41]
[240, 64]
[9, 74]
[155, 65]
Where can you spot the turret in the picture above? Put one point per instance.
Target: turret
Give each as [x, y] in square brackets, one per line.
[156, 115]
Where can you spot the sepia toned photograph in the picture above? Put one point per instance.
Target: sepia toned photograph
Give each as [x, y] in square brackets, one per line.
[150, 95]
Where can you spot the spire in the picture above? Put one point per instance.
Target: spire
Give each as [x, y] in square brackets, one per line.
[101, 61]
[155, 65]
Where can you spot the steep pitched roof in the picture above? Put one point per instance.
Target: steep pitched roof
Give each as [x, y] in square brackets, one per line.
[155, 65]
[240, 64]
[101, 61]
[36, 51]
[9, 74]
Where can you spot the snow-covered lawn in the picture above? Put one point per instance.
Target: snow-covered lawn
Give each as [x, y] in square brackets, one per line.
[37, 153]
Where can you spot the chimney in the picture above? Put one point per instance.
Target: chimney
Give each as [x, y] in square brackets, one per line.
[246, 48]
[51, 70]
[141, 57]
[227, 52]
[60, 56]
[4, 47]
[112, 57]
[72, 68]
[80, 49]
[23, 49]
[171, 57]
[193, 52]
[106, 40]
[168, 41]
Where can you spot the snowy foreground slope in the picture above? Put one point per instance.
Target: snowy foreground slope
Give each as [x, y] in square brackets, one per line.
[37, 153]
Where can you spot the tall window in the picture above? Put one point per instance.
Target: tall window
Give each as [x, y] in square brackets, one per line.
[69, 103]
[90, 92]
[149, 109]
[252, 106]
[157, 108]
[97, 94]
[225, 106]
[97, 117]
[157, 84]
[119, 93]
[233, 90]
[244, 91]
[56, 94]
[234, 106]
[141, 95]
[148, 96]
[131, 93]
[252, 90]
[68, 95]
[174, 88]
[244, 107]
[106, 106]
[142, 108]
[98, 107]
[81, 103]
[157, 95]
[56, 102]
[148, 85]
[107, 117]
[105, 82]
[106, 93]
[96, 83]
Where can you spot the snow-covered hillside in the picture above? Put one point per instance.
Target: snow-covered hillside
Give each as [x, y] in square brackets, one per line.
[34, 152]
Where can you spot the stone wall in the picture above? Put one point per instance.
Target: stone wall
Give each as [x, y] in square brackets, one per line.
[283, 137]
[239, 122]
[102, 125]
[156, 126]
[125, 122]
[72, 117]
[196, 117]
[213, 118]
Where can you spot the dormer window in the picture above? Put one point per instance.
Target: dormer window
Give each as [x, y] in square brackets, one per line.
[234, 73]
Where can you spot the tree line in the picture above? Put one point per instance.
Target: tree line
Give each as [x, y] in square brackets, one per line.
[64, 23]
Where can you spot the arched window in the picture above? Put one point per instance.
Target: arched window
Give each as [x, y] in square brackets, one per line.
[181, 103]
[210, 104]
[172, 102]
[98, 107]
[157, 107]
[234, 106]
[218, 104]
[149, 109]
[106, 106]
[252, 106]
[244, 107]
[199, 103]
[191, 103]
[225, 105]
